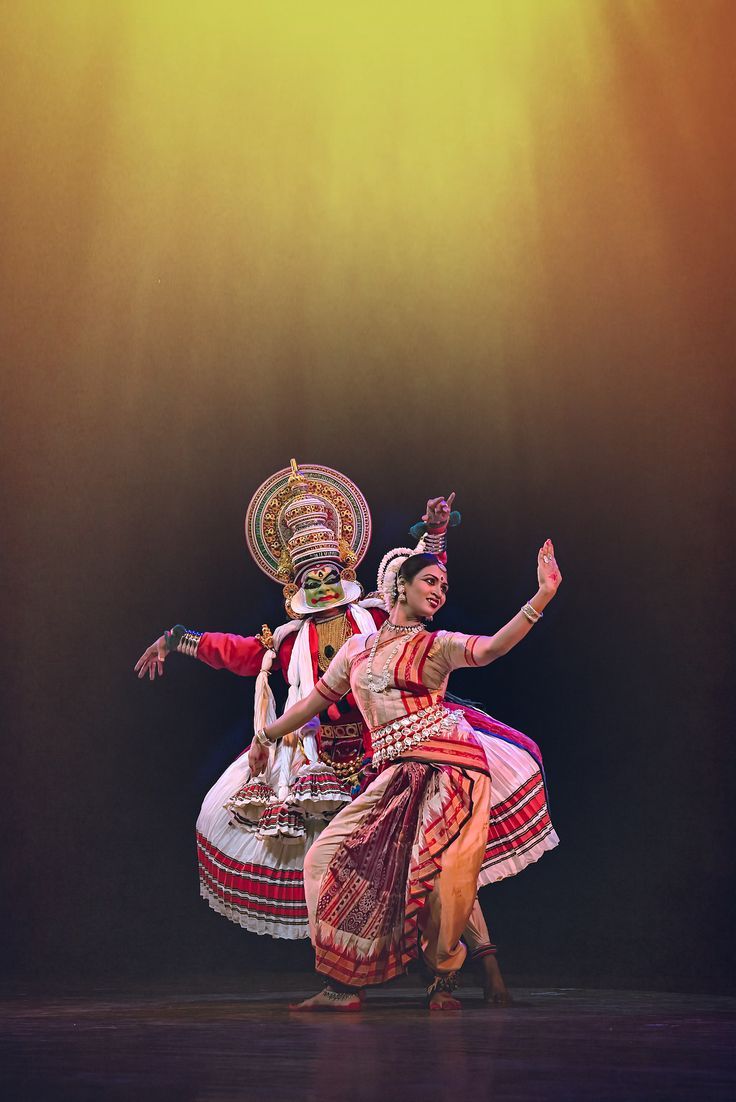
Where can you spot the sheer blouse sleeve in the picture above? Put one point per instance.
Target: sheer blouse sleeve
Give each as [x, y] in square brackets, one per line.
[452, 650]
[335, 683]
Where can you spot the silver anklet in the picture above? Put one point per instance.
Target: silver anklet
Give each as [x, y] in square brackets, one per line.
[339, 996]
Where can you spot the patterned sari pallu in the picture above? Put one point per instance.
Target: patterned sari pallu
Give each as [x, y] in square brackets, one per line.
[372, 896]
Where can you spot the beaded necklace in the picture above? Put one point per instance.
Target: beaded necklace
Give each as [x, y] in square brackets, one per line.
[379, 684]
[407, 629]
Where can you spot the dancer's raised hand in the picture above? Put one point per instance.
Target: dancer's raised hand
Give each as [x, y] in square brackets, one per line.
[438, 510]
[152, 660]
[549, 574]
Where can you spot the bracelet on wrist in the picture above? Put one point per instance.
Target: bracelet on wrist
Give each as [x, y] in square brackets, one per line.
[262, 738]
[531, 613]
[183, 640]
[423, 527]
[435, 541]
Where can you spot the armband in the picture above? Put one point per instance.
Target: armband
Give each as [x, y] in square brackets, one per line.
[183, 640]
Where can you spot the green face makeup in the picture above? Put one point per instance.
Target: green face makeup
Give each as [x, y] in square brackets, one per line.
[323, 587]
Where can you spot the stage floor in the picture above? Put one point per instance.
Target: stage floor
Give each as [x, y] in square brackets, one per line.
[215, 1043]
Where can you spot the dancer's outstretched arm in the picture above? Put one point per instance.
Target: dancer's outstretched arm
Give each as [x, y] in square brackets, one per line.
[240, 654]
[549, 576]
[292, 720]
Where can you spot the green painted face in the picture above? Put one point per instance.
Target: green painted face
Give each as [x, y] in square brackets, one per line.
[323, 587]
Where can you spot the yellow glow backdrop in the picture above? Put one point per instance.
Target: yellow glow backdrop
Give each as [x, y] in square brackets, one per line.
[502, 223]
[322, 178]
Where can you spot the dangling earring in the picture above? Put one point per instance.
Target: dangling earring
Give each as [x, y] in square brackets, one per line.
[401, 590]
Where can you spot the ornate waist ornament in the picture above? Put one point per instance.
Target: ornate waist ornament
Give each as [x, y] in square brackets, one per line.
[394, 739]
[342, 750]
[340, 732]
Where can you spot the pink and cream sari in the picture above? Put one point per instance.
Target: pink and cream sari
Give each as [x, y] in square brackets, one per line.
[454, 806]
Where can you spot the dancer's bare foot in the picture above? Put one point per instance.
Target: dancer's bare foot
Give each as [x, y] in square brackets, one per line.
[495, 991]
[342, 1002]
[439, 992]
[442, 1000]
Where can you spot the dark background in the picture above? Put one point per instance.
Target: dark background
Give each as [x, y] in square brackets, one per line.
[554, 341]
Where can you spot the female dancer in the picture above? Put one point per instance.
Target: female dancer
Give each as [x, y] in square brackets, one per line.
[407, 855]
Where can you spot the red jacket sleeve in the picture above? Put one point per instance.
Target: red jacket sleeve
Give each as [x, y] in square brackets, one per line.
[240, 654]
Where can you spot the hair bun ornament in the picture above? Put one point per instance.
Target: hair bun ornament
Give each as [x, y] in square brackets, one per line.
[388, 571]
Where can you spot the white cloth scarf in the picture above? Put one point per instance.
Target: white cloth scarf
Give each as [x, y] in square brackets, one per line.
[300, 678]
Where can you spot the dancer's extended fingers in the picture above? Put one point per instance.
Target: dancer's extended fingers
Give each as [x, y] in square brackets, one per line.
[435, 510]
[548, 553]
[142, 665]
[450, 501]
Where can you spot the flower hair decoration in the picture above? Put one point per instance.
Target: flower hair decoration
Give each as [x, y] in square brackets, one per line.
[388, 571]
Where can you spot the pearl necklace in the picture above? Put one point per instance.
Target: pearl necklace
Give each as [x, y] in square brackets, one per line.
[380, 684]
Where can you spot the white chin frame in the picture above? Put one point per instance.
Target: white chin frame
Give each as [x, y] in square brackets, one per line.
[352, 590]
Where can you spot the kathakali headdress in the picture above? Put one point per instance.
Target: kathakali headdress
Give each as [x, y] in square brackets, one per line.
[303, 519]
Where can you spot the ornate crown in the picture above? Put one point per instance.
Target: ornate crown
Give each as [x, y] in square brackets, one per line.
[305, 515]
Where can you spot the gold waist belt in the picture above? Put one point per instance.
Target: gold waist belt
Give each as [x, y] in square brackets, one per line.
[394, 739]
[330, 731]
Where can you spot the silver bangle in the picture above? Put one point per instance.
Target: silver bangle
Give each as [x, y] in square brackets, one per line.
[262, 738]
[531, 613]
[435, 542]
